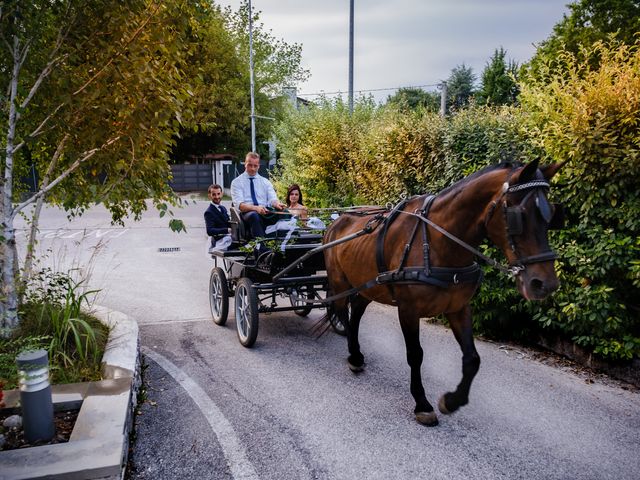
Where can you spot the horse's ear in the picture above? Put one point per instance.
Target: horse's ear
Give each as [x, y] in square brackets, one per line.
[528, 173]
[548, 171]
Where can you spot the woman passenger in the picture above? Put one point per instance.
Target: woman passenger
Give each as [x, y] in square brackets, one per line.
[294, 202]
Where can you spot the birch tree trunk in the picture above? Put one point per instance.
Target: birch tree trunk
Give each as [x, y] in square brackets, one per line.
[9, 295]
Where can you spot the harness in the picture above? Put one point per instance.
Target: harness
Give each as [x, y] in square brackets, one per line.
[438, 276]
[444, 277]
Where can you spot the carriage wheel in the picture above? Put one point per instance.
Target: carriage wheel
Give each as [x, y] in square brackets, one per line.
[337, 325]
[218, 296]
[246, 312]
[298, 299]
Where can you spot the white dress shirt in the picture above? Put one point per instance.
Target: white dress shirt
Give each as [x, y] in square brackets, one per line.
[241, 190]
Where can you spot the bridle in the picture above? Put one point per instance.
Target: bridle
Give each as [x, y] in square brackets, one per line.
[514, 224]
[514, 219]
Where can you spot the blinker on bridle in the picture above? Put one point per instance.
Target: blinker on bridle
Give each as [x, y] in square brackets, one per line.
[552, 214]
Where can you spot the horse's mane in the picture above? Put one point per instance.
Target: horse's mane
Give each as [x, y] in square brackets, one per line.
[459, 185]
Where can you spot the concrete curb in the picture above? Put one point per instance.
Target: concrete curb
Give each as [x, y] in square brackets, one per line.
[99, 443]
[626, 371]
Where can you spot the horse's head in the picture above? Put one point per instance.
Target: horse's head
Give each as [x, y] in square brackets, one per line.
[518, 221]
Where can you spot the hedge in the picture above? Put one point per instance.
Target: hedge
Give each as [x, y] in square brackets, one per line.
[584, 116]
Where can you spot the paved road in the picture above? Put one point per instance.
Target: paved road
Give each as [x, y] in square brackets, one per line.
[290, 409]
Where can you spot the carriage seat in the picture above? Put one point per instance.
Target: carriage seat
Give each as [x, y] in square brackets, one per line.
[239, 232]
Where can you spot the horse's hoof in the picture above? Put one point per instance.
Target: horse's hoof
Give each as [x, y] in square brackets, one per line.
[430, 419]
[442, 406]
[355, 368]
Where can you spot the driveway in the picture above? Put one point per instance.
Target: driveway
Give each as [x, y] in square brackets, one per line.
[289, 408]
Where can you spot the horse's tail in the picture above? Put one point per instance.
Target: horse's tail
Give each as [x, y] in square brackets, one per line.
[323, 325]
[329, 321]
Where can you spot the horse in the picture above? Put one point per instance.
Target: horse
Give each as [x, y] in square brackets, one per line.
[505, 202]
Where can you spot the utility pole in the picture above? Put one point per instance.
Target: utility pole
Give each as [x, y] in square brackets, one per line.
[443, 99]
[351, 56]
[253, 101]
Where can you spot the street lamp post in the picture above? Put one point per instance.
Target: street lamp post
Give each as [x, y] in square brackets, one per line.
[253, 102]
[351, 56]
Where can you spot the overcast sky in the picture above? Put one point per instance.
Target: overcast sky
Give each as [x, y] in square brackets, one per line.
[404, 42]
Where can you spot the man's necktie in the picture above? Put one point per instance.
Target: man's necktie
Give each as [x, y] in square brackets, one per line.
[253, 191]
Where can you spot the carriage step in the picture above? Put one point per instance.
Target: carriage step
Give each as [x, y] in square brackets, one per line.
[310, 280]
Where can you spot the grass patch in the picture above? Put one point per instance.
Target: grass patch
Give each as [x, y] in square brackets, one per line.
[51, 318]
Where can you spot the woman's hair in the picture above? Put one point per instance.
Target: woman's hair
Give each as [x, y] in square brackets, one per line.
[293, 187]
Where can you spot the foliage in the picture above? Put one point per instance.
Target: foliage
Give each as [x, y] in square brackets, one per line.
[219, 93]
[218, 69]
[117, 88]
[52, 319]
[315, 145]
[389, 159]
[588, 22]
[379, 154]
[499, 81]
[411, 98]
[460, 86]
[590, 117]
[97, 92]
[277, 64]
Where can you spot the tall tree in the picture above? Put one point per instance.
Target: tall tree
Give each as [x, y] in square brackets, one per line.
[413, 98]
[220, 99]
[277, 64]
[221, 58]
[499, 81]
[96, 92]
[460, 86]
[588, 22]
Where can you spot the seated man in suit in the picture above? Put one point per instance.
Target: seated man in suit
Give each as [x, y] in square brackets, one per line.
[252, 194]
[216, 217]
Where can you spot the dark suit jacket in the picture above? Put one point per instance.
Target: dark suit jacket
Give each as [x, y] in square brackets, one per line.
[217, 222]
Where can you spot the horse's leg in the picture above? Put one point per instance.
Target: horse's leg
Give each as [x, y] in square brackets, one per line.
[358, 306]
[461, 325]
[410, 324]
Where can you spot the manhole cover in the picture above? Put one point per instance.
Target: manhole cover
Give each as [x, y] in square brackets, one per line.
[168, 249]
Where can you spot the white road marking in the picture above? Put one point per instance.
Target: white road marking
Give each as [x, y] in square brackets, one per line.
[83, 233]
[237, 460]
[177, 320]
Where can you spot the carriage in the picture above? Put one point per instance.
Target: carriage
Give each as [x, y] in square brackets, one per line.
[295, 272]
[418, 256]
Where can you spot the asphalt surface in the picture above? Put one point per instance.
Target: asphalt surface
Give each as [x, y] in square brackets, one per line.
[289, 408]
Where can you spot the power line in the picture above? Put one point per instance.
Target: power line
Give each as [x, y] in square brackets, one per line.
[369, 90]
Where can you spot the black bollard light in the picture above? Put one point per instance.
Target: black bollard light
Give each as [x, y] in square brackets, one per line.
[35, 395]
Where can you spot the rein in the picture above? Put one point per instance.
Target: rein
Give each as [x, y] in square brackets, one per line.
[438, 276]
[511, 270]
[515, 268]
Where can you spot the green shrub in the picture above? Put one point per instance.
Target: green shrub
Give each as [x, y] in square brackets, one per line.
[52, 318]
[590, 118]
[315, 145]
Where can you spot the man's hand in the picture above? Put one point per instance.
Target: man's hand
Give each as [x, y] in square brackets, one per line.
[248, 207]
[278, 205]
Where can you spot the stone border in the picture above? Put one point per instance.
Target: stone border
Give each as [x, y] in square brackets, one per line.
[626, 371]
[99, 443]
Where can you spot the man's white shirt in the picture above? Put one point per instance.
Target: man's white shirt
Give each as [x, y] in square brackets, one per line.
[241, 190]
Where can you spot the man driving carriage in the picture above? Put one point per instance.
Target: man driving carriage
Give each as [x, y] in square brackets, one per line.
[252, 194]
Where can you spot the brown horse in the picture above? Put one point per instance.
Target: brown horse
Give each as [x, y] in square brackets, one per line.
[421, 255]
